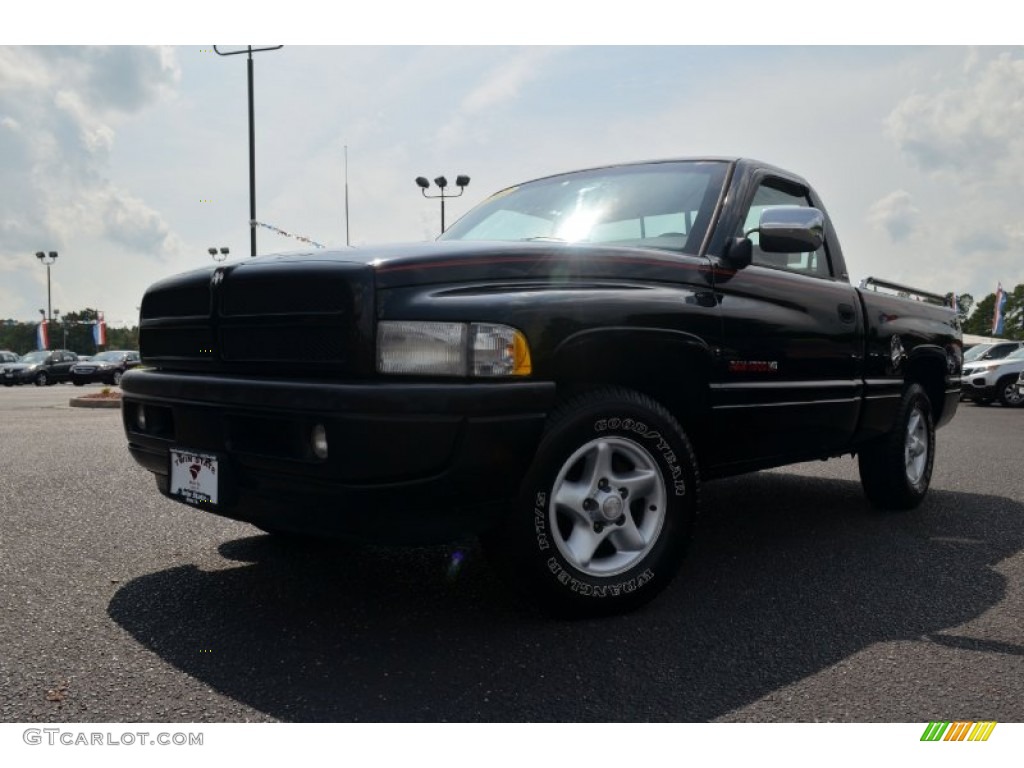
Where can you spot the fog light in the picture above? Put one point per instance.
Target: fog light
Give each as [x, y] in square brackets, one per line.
[320, 441]
[140, 417]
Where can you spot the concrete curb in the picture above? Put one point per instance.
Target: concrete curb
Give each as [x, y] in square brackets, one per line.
[94, 402]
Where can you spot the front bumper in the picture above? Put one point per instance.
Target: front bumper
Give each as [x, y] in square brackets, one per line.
[406, 462]
[20, 376]
[978, 386]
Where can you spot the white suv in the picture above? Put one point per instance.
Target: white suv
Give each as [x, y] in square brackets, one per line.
[986, 380]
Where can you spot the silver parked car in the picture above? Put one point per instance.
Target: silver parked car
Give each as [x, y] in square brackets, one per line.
[985, 380]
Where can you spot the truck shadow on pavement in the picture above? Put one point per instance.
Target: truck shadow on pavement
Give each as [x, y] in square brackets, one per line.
[787, 576]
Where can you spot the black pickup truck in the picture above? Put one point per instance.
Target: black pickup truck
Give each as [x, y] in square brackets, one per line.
[558, 373]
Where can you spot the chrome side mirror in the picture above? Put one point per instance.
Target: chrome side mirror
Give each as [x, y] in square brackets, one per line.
[791, 229]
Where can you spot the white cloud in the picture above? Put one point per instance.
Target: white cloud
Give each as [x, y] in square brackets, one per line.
[896, 214]
[969, 127]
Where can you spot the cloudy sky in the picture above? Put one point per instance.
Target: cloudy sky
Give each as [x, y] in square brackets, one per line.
[132, 161]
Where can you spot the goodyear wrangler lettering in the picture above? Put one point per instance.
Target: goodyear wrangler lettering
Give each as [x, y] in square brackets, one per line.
[590, 590]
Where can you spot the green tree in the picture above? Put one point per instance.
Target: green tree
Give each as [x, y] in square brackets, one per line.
[964, 302]
[18, 337]
[980, 320]
[123, 338]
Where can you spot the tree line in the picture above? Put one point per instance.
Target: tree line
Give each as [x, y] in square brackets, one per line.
[73, 330]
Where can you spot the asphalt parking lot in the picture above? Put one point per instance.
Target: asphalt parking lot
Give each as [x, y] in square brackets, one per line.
[797, 603]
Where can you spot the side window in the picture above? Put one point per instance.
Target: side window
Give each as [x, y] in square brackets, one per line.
[770, 196]
[1000, 351]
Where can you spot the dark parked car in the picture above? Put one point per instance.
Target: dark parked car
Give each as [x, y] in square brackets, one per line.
[7, 357]
[106, 367]
[40, 368]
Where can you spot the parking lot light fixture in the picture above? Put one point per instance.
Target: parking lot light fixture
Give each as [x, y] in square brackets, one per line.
[461, 181]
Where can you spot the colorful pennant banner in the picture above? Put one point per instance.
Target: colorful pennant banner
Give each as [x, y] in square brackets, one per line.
[280, 231]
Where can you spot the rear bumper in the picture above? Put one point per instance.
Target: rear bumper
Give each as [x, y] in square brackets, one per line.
[406, 462]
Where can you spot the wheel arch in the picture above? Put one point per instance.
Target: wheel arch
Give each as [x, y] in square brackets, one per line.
[927, 367]
[671, 367]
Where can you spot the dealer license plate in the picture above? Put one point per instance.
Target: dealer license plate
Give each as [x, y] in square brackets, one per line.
[195, 477]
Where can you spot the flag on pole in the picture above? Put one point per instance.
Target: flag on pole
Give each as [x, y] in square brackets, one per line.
[42, 336]
[997, 316]
[99, 330]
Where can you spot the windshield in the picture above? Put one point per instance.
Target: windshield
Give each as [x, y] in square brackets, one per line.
[35, 357]
[657, 205]
[976, 351]
[110, 356]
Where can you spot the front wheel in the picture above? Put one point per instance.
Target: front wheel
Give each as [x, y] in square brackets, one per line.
[42, 379]
[116, 378]
[1009, 395]
[606, 508]
[896, 469]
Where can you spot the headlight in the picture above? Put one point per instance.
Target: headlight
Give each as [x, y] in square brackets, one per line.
[451, 349]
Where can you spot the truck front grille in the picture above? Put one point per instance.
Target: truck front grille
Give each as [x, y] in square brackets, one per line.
[283, 317]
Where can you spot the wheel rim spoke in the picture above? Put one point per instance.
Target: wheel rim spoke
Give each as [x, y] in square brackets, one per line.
[628, 538]
[582, 543]
[570, 497]
[599, 463]
[638, 483]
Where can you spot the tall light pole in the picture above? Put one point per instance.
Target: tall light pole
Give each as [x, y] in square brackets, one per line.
[252, 138]
[47, 259]
[442, 183]
[218, 256]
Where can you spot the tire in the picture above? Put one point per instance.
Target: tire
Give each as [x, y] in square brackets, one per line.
[1007, 392]
[606, 509]
[116, 378]
[42, 379]
[896, 469]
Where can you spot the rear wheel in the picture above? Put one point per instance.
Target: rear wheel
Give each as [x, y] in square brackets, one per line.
[605, 510]
[1008, 393]
[896, 469]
